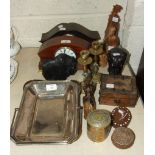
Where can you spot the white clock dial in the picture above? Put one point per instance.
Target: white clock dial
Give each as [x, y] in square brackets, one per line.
[65, 50]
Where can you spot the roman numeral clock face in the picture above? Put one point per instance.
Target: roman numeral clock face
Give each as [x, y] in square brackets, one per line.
[66, 50]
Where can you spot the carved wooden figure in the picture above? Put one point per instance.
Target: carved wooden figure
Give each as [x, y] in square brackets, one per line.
[111, 34]
[89, 99]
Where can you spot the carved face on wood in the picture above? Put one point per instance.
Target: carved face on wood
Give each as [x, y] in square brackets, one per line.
[116, 60]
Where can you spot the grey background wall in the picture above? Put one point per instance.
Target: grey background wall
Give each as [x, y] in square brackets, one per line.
[133, 34]
[33, 17]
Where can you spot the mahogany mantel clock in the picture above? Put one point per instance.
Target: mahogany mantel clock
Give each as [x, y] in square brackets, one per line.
[64, 42]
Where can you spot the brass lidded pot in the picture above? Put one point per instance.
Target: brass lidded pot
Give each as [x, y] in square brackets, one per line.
[98, 125]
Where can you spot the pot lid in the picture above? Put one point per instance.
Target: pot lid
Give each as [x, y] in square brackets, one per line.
[99, 118]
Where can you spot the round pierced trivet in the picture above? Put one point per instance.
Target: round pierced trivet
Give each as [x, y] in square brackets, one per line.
[123, 137]
[121, 117]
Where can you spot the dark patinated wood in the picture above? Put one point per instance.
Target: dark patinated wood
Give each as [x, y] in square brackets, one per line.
[140, 77]
[89, 102]
[121, 117]
[72, 29]
[118, 90]
[123, 137]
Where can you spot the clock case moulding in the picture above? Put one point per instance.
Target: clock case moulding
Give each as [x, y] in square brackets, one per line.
[71, 35]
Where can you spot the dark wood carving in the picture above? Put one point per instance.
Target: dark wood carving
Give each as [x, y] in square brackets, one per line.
[89, 99]
[117, 90]
[116, 59]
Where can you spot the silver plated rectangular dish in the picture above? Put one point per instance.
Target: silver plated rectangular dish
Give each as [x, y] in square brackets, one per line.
[49, 112]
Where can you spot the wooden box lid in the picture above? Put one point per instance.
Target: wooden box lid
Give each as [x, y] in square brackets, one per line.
[117, 84]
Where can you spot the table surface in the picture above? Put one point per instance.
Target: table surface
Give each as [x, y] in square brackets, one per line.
[28, 70]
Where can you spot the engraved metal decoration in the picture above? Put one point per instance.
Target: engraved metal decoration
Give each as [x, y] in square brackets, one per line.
[98, 125]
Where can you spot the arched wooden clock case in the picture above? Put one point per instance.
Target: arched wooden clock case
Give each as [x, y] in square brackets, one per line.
[51, 46]
[61, 47]
[71, 35]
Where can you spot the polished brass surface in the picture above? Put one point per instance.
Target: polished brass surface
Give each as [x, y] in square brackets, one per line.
[85, 60]
[95, 74]
[84, 54]
[98, 125]
[97, 134]
[96, 50]
[99, 118]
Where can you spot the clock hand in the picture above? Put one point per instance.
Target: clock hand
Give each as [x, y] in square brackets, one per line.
[62, 51]
[65, 50]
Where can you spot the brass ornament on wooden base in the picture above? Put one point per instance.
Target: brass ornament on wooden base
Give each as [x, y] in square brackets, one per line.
[85, 60]
[95, 50]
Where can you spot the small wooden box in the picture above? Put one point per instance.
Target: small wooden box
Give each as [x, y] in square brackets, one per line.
[118, 90]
